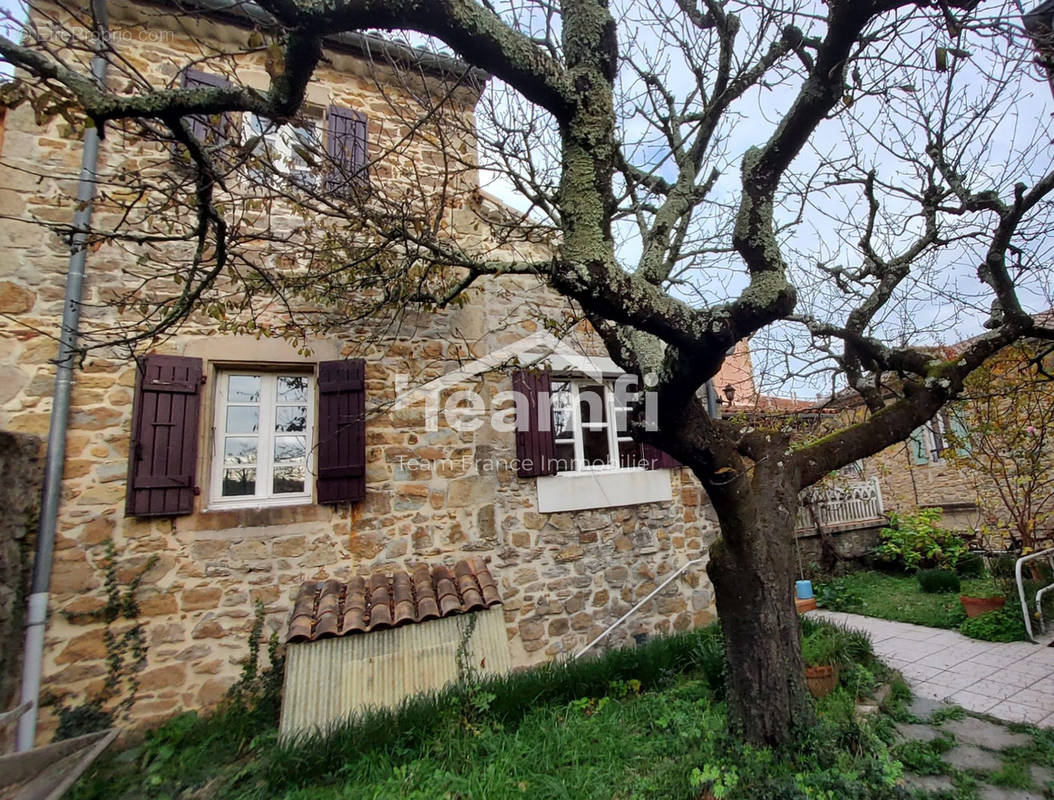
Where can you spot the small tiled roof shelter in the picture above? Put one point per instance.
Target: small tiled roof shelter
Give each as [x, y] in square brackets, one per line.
[374, 641]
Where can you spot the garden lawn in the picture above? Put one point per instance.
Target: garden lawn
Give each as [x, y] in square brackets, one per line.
[899, 598]
[645, 722]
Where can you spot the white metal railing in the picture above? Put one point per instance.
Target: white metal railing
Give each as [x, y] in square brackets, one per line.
[835, 506]
[1018, 576]
[633, 610]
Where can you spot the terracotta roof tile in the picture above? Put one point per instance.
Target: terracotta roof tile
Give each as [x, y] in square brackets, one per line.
[387, 600]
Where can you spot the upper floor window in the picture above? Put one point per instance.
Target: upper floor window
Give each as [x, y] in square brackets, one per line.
[590, 427]
[292, 150]
[264, 424]
[306, 150]
[931, 443]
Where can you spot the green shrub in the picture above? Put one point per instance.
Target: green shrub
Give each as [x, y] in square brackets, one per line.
[915, 541]
[837, 595]
[1002, 625]
[971, 566]
[936, 581]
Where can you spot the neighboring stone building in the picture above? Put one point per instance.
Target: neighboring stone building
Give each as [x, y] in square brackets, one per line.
[917, 473]
[234, 509]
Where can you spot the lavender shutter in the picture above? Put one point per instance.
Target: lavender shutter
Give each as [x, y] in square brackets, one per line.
[164, 447]
[654, 458]
[535, 446]
[341, 431]
[346, 147]
[201, 126]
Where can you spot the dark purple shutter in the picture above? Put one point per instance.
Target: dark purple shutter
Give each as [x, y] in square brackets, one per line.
[341, 431]
[201, 126]
[164, 450]
[654, 458]
[346, 146]
[535, 445]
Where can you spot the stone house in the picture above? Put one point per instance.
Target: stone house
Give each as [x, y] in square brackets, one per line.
[250, 465]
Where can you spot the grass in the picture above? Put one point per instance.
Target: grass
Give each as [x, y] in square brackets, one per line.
[898, 598]
[647, 722]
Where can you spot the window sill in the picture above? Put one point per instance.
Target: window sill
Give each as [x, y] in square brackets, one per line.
[223, 518]
[259, 505]
[582, 491]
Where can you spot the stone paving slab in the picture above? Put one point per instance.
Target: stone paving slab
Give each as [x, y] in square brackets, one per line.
[1012, 681]
[982, 733]
[928, 783]
[917, 732]
[987, 792]
[969, 758]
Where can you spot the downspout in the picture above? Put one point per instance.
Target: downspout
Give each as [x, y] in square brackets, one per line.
[37, 608]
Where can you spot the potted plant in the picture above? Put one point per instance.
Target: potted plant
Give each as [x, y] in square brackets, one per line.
[976, 606]
[1001, 570]
[821, 651]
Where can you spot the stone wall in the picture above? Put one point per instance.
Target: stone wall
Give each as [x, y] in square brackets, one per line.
[853, 547]
[21, 476]
[564, 577]
[906, 485]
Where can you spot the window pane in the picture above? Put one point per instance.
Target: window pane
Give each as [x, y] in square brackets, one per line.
[591, 403]
[629, 454]
[290, 419]
[239, 482]
[240, 450]
[292, 389]
[243, 389]
[560, 398]
[595, 447]
[288, 479]
[289, 448]
[565, 456]
[243, 419]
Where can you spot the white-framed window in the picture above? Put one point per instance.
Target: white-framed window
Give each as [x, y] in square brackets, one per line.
[291, 150]
[590, 427]
[264, 427]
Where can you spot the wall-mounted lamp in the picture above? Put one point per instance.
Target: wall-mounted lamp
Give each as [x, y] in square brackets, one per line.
[730, 393]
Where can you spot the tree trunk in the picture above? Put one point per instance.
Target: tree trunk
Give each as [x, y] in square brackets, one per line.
[752, 570]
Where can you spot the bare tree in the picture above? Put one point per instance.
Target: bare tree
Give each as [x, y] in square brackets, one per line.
[835, 179]
[1007, 408]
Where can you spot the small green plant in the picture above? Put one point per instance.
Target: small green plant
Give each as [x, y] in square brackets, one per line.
[945, 713]
[822, 647]
[1002, 625]
[837, 595]
[1013, 775]
[858, 680]
[719, 779]
[826, 644]
[916, 541]
[709, 655]
[125, 656]
[939, 581]
[256, 686]
[924, 758]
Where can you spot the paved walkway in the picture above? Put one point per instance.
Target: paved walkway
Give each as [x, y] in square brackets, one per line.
[1012, 681]
[964, 749]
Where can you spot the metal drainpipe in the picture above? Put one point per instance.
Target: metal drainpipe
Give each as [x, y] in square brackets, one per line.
[37, 609]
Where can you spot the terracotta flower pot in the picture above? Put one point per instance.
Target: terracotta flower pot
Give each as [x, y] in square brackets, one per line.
[976, 606]
[821, 680]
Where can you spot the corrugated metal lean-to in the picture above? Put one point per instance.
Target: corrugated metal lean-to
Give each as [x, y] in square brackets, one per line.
[330, 679]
